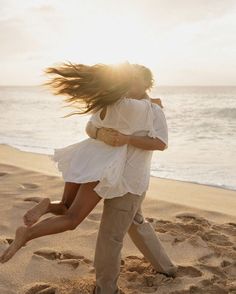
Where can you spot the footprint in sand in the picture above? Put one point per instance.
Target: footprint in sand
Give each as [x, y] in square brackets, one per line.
[138, 271]
[49, 254]
[162, 226]
[36, 199]
[63, 257]
[131, 276]
[211, 288]
[149, 289]
[227, 228]
[225, 263]
[29, 186]
[188, 271]
[205, 258]
[215, 270]
[41, 288]
[193, 218]
[178, 239]
[3, 174]
[73, 262]
[156, 221]
[216, 238]
[65, 286]
[150, 219]
[179, 230]
[159, 225]
[135, 264]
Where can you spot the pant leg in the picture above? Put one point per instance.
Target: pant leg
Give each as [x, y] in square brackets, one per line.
[117, 216]
[146, 240]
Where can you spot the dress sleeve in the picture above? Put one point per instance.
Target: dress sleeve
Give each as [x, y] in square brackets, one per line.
[94, 120]
[158, 128]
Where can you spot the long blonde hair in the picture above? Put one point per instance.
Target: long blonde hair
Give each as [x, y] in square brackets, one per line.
[90, 87]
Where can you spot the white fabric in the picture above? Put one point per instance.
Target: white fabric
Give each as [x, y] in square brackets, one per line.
[119, 169]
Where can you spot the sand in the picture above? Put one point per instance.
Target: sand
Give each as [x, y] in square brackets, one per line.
[196, 224]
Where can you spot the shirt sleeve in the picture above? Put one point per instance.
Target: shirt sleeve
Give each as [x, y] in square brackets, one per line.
[133, 115]
[158, 128]
[132, 108]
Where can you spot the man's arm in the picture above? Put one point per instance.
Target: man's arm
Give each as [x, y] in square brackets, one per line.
[146, 142]
[109, 137]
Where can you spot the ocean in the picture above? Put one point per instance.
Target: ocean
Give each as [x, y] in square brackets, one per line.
[201, 124]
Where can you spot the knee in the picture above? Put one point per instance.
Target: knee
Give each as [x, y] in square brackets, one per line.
[72, 221]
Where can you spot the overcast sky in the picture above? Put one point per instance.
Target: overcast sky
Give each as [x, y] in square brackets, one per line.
[184, 42]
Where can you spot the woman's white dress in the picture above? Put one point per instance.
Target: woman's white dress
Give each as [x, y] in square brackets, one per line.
[119, 169]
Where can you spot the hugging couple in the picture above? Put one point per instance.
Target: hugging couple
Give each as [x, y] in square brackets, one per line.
[113, 164]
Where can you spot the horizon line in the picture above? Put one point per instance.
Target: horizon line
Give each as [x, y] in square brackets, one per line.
[163, 85]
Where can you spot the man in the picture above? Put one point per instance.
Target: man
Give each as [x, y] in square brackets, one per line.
[123, 214]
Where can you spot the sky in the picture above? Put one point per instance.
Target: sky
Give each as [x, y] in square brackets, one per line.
[183, 42]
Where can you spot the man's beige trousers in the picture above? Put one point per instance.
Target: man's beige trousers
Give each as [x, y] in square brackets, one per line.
[121, 215]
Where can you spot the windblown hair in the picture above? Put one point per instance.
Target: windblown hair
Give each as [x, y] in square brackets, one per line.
[90, 88]
[146, 74]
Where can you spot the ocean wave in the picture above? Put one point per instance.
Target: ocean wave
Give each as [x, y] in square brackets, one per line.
[226, 112]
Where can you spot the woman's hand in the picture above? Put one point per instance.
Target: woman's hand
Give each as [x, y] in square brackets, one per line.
[153, 100]
[112, 137]
[157, 101]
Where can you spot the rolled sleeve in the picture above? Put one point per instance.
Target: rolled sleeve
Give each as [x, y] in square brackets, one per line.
[158, 128]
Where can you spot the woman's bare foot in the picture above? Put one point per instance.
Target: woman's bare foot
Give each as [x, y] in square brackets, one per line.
[33, 214]
[19, 241]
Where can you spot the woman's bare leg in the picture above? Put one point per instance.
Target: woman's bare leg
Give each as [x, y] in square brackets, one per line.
[84, 202]
[55, 207]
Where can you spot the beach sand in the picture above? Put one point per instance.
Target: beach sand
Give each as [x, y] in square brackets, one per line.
[196, 224]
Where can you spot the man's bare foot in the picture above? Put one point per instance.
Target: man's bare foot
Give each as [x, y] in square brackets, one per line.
[19, 241]
[33, 214]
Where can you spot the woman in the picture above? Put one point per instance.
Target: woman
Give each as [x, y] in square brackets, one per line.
[98, 87]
